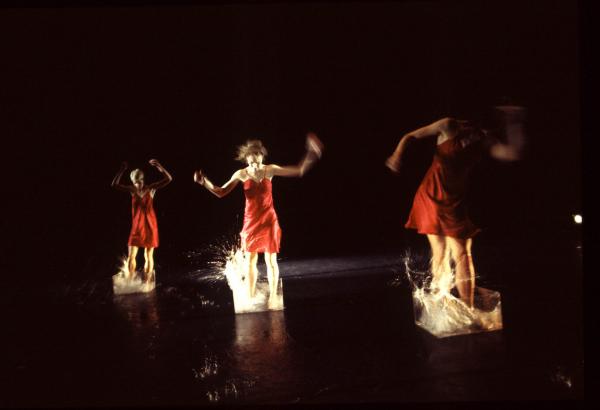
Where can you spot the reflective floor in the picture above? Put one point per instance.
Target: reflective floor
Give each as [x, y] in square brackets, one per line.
[346, 335]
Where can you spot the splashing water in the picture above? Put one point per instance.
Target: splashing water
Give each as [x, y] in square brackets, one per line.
[211, 260]
[122, 284]
[226, 260]
[236, 272]
[442, 314]
[210, 368]
[561, 377]
[213, 396]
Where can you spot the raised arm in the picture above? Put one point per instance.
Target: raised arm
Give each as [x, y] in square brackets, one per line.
[512, 150]
[116, 182]
[432, 130]
[314, 151]
[220, 192]
[167, 178]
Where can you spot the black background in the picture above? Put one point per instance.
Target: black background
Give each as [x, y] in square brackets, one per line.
[85, 88]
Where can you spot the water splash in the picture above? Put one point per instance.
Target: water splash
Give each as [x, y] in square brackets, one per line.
[123, 284]
[210, 368]
[441, 313]
[220, 261]
[561, 376]
[218, 389]
[210, 261]
[227, 261]
[231, 389]
[236, 272]
[213, 396]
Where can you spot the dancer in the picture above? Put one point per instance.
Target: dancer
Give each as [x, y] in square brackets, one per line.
[439, 210]
[261, 232]
[144, 228]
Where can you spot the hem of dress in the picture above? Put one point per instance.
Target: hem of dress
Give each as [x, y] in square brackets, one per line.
[262, 251]
[451, 235]
[142, 246]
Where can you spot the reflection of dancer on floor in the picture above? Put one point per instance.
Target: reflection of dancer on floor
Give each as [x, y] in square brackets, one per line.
[144, 228]
[439, 209]
[261, 232]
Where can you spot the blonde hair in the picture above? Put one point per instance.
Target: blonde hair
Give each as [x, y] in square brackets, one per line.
[135, 174]
[249, 148]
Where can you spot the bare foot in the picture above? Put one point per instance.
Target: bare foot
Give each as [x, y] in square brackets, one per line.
[273, 302]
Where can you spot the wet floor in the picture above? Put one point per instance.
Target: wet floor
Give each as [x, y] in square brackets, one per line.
[346, 335]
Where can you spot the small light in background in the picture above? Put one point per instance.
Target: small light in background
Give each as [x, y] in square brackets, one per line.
[578, 219]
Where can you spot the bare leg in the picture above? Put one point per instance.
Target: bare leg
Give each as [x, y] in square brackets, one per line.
[472, 274]
[252, 272]
[465, 274]
[131, 262]
[149, 263]
[440, 259]
[470, 257]
[272, 273]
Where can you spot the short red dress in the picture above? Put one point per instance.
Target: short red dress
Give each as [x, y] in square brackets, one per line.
[439, 206]
[261, 231]
[144, 228]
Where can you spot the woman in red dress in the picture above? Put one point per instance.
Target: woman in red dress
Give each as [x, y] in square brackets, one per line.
[439, 208]
[144, 228]
[261, 232]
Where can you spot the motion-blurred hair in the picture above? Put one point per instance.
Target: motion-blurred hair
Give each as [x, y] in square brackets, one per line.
[249, 148]
[136, 174]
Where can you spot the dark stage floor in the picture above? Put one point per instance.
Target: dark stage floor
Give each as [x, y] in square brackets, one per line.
[347, 335]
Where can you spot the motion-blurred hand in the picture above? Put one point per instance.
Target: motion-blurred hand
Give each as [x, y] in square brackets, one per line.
[314, 144]
[393, 164]
[199, 177]
[155, 163]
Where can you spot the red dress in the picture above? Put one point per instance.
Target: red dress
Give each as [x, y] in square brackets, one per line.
[439, 206]
[144, 228]
[261, 231]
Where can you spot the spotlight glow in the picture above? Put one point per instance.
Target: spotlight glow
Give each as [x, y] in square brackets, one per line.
[578, 219]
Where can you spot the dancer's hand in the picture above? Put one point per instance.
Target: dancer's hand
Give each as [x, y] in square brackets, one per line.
[199, 177]
[124, 166]
[393, 163]
[513, 117]
[155, 163]
[314, 144]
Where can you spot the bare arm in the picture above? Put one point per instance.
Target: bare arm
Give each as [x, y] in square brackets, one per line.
[116, 182]
[431, 130]
[220, 192]
[314, 150]
[166, 179]
[512, 150]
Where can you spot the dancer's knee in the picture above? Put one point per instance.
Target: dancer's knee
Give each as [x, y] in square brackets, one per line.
[461, 257]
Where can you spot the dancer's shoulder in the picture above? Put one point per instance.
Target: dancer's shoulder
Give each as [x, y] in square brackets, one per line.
[240, 174]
